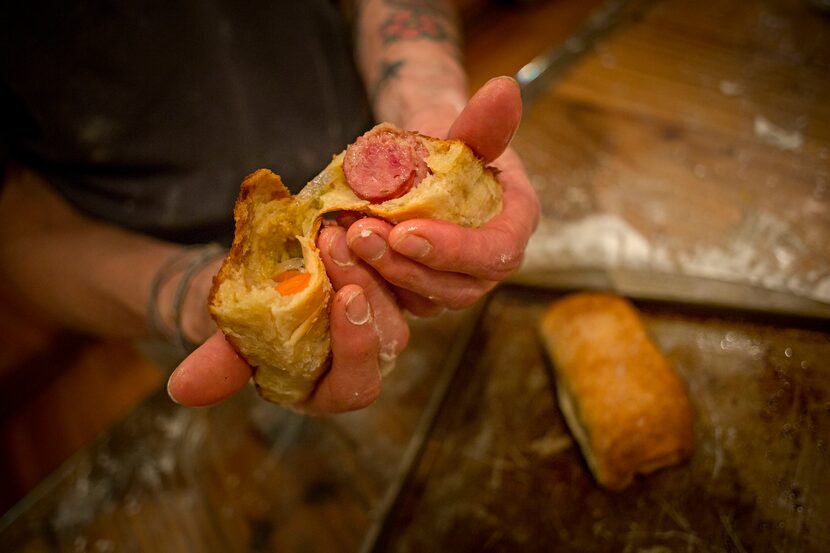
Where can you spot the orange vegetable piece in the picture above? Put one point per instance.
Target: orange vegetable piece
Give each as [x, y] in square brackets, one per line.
[285, 275]
[291, 282]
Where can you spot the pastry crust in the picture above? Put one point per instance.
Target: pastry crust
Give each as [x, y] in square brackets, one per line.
[621, 398]
[286, 338]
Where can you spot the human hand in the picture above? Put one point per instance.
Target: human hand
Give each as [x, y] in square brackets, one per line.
[214, 371]
[367, 333]
[368, 329]
[433, 265]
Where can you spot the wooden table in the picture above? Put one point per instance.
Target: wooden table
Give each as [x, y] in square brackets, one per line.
[689, 141]
[681, 151]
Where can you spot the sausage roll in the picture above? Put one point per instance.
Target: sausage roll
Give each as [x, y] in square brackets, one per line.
[619, 394]
[271, 296]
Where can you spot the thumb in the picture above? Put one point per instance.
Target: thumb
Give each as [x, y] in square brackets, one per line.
[209, 375]
[490, 119]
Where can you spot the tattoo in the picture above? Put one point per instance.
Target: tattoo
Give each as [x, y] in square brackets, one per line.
[408, 20]
[415, 19]
[388, 71]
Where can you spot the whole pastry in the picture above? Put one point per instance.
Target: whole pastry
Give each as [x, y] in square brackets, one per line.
[271, 297]
[619, 394]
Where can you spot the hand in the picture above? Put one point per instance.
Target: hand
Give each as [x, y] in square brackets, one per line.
[367, 327]
[433, 265]
[214, 371]
[361, 344]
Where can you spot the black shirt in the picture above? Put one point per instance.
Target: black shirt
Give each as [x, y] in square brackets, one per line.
[149, 114]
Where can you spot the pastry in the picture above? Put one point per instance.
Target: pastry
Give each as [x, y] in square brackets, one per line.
[619, 394]
[271, 296]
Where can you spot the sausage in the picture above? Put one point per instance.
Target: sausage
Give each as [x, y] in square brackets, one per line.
[385, 163]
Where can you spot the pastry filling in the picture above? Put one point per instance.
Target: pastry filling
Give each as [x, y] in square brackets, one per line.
[291, 282]
[291, 277]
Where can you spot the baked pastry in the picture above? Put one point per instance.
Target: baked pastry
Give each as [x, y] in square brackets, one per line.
[271, 296]
[619, 394]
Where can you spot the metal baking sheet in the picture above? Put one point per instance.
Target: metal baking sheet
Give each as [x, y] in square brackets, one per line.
[501, 472]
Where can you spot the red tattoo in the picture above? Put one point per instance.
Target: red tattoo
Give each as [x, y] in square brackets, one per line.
[410, 25]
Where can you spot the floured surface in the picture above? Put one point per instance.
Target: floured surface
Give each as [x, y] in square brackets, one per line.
[763, 250]
[685, 148]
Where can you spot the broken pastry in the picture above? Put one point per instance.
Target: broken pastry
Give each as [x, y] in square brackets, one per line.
[271, 296]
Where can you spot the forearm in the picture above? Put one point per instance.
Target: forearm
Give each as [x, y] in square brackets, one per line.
[85, 274]
[409, 57]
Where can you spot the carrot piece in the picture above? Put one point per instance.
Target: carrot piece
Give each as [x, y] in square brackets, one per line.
[288, 284]
[285, 275]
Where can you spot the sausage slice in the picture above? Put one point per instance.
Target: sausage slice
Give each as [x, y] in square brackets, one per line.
[385, 163]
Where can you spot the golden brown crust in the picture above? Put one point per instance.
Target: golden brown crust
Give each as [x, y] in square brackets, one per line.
[286, 339]
[621, 398]
[261, 185]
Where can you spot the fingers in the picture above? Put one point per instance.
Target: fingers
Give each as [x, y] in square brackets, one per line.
[417, 304]
[368, 239]
[346, 218]
[209, 375]
[343, 268]
[214, 371]
[490, 252]
[490, 119]
[495, 250]
[354, 380]
[361, 342]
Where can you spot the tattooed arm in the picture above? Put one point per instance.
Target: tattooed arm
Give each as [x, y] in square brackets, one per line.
[409, 57]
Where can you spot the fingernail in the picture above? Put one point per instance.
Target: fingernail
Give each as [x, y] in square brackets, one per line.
[368, 245]
[358, 311]
[169, 392]
[339, 249]
[506, 78]
[413, 246]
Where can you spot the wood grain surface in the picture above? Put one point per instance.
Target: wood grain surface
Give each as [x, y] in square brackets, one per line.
[692, 140]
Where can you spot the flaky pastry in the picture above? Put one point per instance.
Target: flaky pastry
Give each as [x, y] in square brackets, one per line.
[271, 296]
